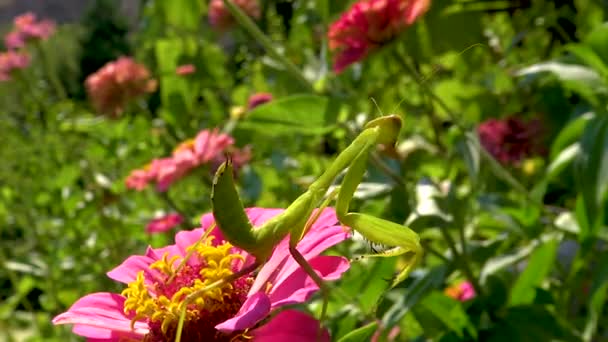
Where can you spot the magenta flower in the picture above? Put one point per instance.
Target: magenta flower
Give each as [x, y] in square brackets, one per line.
[258, 99]
[462, 291]
[510, 140]
[164, 223]
[158, 282]
[27, 28]
[368, 25]
[220, 17]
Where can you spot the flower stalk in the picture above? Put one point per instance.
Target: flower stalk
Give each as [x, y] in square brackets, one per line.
[254, 31]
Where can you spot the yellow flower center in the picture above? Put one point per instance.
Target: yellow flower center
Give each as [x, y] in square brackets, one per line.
[184, 288]
[185, 145]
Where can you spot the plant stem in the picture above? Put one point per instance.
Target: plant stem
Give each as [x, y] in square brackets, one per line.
[51, 73]
[462, 259]
[248, 24]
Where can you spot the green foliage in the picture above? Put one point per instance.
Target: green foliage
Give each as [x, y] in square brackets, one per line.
[529, 235]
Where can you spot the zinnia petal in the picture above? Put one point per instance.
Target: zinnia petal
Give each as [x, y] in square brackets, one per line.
[291, 326]
[254, 309]
[127, 271]
[298, 287]
[104, 313]
[323, 234]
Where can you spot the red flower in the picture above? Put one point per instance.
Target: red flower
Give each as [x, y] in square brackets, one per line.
[510, 140]
[220, 17]
[368, 25]
[116, 83]
[27, 29]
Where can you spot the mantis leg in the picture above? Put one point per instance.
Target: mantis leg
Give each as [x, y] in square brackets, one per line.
[299, 258]
[376, 229]
[315, 277]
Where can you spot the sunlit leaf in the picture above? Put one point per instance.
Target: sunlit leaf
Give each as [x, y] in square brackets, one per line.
[296, 114]
[537, 268]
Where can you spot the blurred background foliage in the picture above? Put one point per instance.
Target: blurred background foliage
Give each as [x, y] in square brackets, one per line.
[530, 233]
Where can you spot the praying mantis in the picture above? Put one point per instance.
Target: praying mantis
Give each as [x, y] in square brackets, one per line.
[296, 220]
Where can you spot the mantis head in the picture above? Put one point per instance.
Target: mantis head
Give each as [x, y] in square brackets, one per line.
[389, 125]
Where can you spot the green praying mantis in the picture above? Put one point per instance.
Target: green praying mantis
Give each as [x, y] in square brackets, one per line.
[298, 217]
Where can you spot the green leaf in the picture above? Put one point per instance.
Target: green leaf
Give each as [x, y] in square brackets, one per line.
[580, 79]
[182, 13]
[565, 72]
[297, 114]
[570, 134]
[499, 171]
[464, 96]
[449, 311]
[539, 266]
[563, 159]
[404, 301]
[504, 260]
[364, 333]
[597, 298]
[469, 149]
[66, 176]
[368, 280]
[529, 323]
[176, 94]
[588, 57]
[8, 305]
[598, 41]
[592, 172]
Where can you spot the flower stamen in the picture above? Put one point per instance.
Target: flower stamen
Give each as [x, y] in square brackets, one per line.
[189, 293]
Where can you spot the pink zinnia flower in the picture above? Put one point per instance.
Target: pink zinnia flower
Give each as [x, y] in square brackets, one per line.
[258, 99]
[462, 291]
[11, 61]
[166, 171]
[185, 69]
[157, 283]
[164, 223]
[139, 179]
[207, 148]
[116, 83]
[207, 145]
[27, 28]
[510, 140]
[368, 25]
[220, 17]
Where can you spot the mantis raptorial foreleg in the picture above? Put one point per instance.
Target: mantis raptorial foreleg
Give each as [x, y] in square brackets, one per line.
[260, 242]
